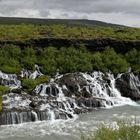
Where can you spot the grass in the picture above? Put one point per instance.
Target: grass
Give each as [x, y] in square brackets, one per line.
[3, 90]
[125, 131]
[25, 32]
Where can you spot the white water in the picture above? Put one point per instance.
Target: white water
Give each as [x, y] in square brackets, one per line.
[10, 80]
[68, 129]
[31, 74]
[100, 87]
[57, 102]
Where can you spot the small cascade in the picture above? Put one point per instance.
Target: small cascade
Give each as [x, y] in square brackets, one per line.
[31, 74]
[103, 86]
[129, 85]
[10, 80]
[135, 82]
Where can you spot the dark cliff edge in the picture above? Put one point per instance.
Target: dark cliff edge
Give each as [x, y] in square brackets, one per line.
[93, 45]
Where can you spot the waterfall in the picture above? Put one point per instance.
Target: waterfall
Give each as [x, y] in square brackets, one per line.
[31, 74]
[10, 80]
[64, 97]
[105, 88]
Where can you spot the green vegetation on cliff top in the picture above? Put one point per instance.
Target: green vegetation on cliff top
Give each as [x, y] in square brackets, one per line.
[25, 32]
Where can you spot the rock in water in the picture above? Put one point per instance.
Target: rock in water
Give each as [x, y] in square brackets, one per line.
[129, 86]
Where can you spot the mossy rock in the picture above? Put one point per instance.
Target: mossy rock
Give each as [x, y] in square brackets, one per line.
[29, 84]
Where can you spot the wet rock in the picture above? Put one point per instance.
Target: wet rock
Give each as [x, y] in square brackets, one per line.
[10, 80]
[72, 81]
[67, 95]
[16, 91]
[129, 86]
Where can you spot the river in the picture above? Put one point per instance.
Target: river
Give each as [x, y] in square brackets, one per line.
[68, 129]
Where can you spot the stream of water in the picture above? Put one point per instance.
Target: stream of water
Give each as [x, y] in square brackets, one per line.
[68, 129]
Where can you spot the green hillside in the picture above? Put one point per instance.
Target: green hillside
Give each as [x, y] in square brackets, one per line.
[78, 22]
[63, 29]
[16, 53]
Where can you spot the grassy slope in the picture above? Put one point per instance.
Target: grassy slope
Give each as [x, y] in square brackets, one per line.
[79, 22]
[14, 29]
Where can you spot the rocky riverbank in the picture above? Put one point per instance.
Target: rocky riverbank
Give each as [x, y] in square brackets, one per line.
[66, 95]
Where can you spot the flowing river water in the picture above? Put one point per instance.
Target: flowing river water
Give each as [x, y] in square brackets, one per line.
[68, 129]
[99, 92]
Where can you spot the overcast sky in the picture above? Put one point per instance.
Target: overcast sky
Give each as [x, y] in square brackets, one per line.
[125, 12]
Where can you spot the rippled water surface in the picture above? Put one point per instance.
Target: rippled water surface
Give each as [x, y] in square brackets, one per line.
[70, 129]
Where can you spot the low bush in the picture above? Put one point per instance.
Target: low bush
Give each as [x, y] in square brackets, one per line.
[29, 84]
[125, 131]
[66, 60]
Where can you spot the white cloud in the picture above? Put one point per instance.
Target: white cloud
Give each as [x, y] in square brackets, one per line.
[115, 11]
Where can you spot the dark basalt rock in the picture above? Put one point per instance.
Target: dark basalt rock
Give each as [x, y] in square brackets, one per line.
[129, 86]
[99, 44]
[73, 81]
[16, 91]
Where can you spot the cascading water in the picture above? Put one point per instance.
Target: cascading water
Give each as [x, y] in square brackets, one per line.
[129, 85]
[10, 80]
[105, 88]
[32, 75]
[63, 97]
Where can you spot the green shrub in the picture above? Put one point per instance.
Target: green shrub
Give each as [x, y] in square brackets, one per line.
[97, 62]
[66, 60]
[28, 58]
[30, 84]
[12, 51]
[48, 60]
[113, 61]
[125, 131]
[42, 79]
[133, 58]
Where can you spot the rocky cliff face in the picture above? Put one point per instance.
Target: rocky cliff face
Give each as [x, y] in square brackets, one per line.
[129, 86]
[67, 95]
[99, 44]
